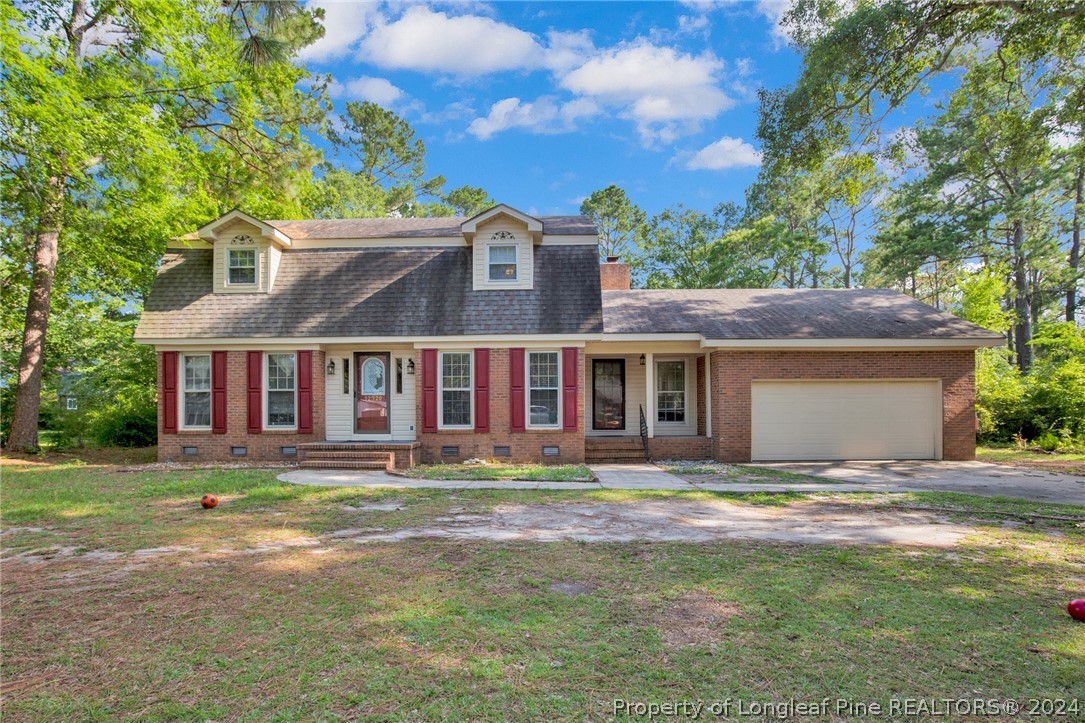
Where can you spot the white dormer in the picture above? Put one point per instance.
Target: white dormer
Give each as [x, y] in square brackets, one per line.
[503, 241]
[246, 255]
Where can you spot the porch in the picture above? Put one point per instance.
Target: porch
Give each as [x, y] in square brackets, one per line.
[385, 456]
[655, 396]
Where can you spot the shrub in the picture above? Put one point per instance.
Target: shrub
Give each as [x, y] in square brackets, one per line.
[127, 423]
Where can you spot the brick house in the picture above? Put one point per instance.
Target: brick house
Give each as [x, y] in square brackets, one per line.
[379, 342]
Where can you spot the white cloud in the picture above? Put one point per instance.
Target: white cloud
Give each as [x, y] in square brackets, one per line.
[566, 50]
[377, 90]
[696, 25]
[543, 115]
[727, 152]
[345, 23]
[428, 41]
[665, 92]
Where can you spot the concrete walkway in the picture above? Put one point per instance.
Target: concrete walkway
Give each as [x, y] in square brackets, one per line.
[972, 478]
[609, 476]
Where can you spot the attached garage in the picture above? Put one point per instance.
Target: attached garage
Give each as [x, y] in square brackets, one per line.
[846, 419]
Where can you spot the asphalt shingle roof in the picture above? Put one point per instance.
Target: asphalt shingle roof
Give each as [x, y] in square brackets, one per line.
[413, 227]
[375, 292]
[782, 314]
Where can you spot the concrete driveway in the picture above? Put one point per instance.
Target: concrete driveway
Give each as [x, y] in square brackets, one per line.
[974, 478]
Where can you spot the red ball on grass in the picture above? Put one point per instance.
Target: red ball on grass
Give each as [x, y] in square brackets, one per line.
[209, 501]
[1076, 608]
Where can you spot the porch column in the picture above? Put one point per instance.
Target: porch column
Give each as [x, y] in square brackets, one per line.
[708, 394]
[650, 394]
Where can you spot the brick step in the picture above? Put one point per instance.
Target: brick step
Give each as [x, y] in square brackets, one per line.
[356, 447]
[615, 443]
[343, 464]
[344, 454]
[614, 456]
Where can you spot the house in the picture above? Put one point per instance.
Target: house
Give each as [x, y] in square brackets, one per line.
[393, 341]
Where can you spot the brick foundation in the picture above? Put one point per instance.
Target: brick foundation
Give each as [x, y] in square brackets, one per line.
[265, 446]
[680, 448]
[525, 446]
[734, 371]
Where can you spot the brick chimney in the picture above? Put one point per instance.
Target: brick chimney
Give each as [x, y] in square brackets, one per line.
[613, 275]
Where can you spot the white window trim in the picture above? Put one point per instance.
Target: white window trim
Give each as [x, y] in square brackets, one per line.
[267, 425]
[527, 390]
[441, 389]
[256, 268]
[71, 404]
[516, 261]
[211, 391]
[685, 390]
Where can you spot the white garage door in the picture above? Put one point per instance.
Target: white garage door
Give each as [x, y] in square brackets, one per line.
[877, 419]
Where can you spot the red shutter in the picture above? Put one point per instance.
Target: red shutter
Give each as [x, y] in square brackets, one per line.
[253, 393]
[516, 390]
[569, 379]
[218, 392]
[429, 390]
[482, 390]
[169, 392]
[305, 392]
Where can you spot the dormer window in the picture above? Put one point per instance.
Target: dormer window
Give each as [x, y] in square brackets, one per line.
[241, 266]
[502, 257]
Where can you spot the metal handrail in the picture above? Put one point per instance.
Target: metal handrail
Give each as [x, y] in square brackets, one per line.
[644, 434]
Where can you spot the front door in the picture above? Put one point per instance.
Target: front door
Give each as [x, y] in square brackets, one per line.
[371, 393]
[608, 394]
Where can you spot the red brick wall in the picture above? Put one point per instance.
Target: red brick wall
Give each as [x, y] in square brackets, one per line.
[614, 276]
[680, 448]
[264, 446]
[733, 372]
[701, 406]
[526, 446]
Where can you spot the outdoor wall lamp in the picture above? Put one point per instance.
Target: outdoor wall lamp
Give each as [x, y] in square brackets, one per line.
[331, 366]
[642, 360]
[410, 366]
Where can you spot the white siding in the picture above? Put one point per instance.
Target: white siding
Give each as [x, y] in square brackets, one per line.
[339, 407]
[525, 255]
[262, 259]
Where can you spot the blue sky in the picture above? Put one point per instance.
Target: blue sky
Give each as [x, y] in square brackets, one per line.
[543, 102]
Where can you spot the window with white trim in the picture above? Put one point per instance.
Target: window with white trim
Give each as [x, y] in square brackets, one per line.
[456, 389]
[543, 384]
[502, 262]
[281, 391]
[241, 266]
[196, 391]
[671, 391]
[72, 404]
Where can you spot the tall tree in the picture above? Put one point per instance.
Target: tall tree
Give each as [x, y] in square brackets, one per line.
[469, 200]
[863, 59]
[125, 122]
[846, 188]
[618, 219]
[679, 248]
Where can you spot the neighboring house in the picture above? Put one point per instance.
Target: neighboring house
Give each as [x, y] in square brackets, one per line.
[366, 342]
[68, 391]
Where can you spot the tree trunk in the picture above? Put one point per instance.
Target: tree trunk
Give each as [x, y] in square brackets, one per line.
[1075, 247]
[24, 418]
[1022, 329]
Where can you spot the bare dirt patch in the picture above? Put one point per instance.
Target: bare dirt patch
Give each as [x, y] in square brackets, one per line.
[695, 619]
[684, 521]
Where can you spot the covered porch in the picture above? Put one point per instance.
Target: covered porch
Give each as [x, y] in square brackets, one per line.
[641, 394]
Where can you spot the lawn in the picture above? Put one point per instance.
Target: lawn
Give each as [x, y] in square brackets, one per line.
[496, 471]
[130, 601]
[1064, 462]
[702, 471]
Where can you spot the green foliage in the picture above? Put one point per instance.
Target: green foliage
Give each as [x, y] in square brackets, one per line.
[982, 294]
[1046, 403]
[618, 219]
[469, 200]
[675, 248]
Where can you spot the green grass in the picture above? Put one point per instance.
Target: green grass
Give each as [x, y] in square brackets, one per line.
[1065, 462]
[529, 472]
[465, 630]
